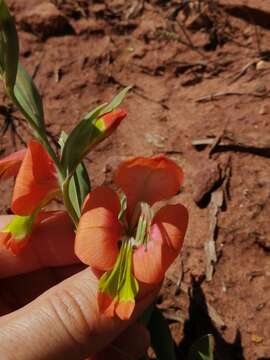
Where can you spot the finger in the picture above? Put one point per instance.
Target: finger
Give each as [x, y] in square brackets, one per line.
[19, 290]
[43, 250]
[131, 344]
[64, 323]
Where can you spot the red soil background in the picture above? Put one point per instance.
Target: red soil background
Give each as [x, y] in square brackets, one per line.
[82, 52]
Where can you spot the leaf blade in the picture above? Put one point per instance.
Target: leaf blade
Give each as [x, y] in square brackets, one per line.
[28, 99]
[203, 348]
[78, 140]
[79, 185]
[161, 338]
[9, 47]
[117, 100]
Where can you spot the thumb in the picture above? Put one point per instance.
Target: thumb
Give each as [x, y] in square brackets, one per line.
[63, 323]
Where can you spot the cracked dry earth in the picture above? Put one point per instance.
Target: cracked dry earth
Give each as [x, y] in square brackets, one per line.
[198, 73]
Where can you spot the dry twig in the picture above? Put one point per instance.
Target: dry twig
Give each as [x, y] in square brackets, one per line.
[248, 143]
[215, 96]
[216, 203]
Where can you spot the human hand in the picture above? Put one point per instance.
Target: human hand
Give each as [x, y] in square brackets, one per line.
[48, 307]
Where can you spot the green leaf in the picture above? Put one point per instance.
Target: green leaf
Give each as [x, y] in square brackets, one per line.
[79, 185]
[161, 338]
[80, 140]
[146, 316]
[203, 349]
[28, 100]
[87, 133]
[79, 188]
[116, 101]
[9, 47]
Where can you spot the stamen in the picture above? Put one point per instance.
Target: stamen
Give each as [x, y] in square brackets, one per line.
[143, 227]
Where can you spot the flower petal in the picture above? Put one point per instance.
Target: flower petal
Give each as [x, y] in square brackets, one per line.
[124, 309]
[148, 180]
[109, 122]
[166, 238]
[10, 165]
[97, 237]
[106, 304]
[11, 243]
[36, 182]
[53, 231]
[50, 244]
[102, 196]
[15, 235]
[118, 288]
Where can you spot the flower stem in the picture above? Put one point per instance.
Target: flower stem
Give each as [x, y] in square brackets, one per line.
[67, 202]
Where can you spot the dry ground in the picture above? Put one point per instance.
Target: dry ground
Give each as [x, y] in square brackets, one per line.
[198, 72]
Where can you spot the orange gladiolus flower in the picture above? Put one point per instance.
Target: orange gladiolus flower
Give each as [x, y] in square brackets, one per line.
[135, 244]
[36, 182]
[10, 165]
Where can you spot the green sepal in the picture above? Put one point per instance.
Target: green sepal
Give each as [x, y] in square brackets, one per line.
[79, 185]
[28, 100]
[116, 101]
[161, 338]
[88, 132]
[203, 348]
[80, 141]
[119, 283]
[20, 226]
[9, 47]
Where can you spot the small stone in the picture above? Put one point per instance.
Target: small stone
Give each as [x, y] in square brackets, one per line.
[205, 181]
[263, 110]
[260, 306]
[262, 65]
[155, 139]
[261, 88]
[45, 20]
[256, 339]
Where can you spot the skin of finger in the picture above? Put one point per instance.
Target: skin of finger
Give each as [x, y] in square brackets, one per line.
[19, 290]
[39, 253]
[64, 323]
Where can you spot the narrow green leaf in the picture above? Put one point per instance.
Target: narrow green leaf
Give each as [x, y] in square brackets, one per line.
[86, 133]
[28, 100]
[80, 140]
[146, 316]
[116, 101]
[9, 47]
[203, 349]
[161, 338]
[79, 185]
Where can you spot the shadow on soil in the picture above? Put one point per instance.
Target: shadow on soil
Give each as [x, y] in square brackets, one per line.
[200, 323]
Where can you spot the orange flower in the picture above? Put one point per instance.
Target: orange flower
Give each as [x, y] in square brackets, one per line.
[36, 182]
[21, 229]
[35, 185]
[134, 244]
[108, 122]
[10, 165]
